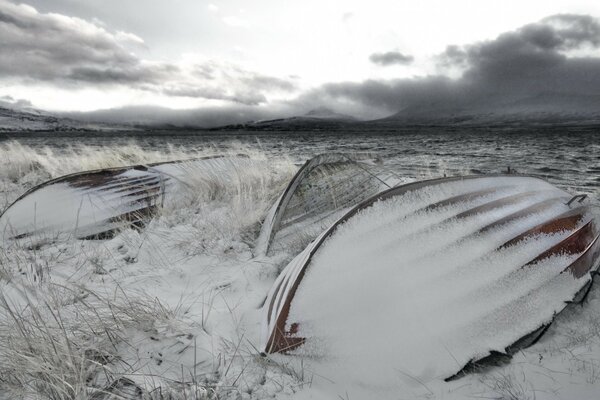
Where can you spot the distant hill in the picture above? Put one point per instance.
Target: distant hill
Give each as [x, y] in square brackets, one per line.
[326, 113]
[548, 109]
[315, 120]
[32, 120]
[543, 109]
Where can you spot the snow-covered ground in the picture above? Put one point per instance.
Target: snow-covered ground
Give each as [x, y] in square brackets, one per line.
[175, 308]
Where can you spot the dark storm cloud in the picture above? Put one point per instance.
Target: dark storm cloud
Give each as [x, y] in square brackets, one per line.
[58, 49]
[533, 57]
[390, 58]
[534, 60]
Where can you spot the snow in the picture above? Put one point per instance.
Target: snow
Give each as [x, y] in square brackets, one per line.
[181, 301]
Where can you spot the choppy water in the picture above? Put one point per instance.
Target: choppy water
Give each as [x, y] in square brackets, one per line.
[568, 157]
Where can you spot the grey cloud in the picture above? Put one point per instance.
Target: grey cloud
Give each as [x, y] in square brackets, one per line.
[110, 75]
[453, 56]
[530, 67]
[64, 50]
[391, 58]
[231, 83]
[528, 62]
[212, 93]
[211, 70]
[269, 82]
[573, 30]
[11, 102]
[9, 19]
[205, 71]
[533, 57]
[127, 75]
[49, 46]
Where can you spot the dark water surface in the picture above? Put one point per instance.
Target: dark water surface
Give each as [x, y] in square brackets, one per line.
[568, 157]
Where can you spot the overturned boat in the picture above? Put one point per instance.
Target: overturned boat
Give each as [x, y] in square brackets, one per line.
[432, 277]
[97, 204]
[323, 189]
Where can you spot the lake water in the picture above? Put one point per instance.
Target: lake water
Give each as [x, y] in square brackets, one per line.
[568, 157]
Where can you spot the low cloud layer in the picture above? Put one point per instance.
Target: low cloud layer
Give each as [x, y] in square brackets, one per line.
[11, 102]
[391, 58]
[557, 56]
[61, 50]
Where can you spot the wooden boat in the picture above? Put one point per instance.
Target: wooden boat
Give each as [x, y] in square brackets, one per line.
[322, 190]
[97, 204]
[436, 276]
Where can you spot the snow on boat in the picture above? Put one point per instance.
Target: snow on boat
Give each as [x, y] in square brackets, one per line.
[430, 277]
[97, 204]
[323, 189]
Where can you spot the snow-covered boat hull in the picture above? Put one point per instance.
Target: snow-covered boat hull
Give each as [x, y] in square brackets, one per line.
[97, 204]
[320, 192]
[431, 276]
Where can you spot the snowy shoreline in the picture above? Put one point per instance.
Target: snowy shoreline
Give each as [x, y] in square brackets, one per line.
[176, 306]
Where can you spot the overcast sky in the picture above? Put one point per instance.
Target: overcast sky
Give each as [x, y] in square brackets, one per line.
[367, 58]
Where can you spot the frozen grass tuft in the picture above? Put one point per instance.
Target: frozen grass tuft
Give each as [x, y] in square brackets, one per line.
[505, 385]
[54, 350]
[62, 343]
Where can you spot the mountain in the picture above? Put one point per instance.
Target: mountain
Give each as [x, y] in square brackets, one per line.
[32, 120]
[326, 113]
[318, 119]
[542, 109]
[546, 109]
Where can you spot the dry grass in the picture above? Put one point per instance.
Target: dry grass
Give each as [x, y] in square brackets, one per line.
[62, 343]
